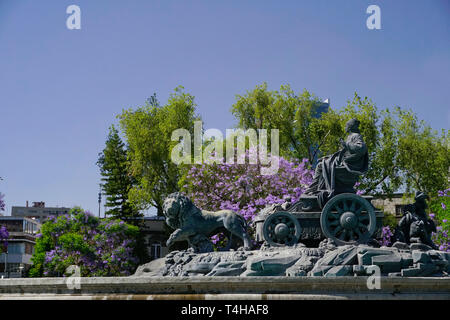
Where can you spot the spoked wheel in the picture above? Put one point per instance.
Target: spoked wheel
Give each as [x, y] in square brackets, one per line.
[348, 219]
[281, 229]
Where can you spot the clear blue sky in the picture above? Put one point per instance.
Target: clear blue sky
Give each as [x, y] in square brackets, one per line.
[61, 89]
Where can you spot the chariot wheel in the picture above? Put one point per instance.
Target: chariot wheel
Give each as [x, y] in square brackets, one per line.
[281, 229]
[348, 219]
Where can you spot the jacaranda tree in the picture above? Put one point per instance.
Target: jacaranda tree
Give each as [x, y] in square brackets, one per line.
[242, 187]
[100, 247]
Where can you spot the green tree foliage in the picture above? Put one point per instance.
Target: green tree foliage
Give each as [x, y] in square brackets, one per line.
[378, 138]
[390, 220]
[405, 153]
[423, 154]
[117, 182]
[148, 131]
[293, 114]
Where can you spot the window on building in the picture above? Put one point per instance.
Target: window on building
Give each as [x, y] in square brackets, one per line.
[155, 251]
[16, 248]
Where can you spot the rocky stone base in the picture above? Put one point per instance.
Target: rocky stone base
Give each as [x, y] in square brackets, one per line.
[328, 260]
[248, 288]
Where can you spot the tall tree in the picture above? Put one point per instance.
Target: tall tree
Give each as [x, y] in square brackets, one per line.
[117, 182]
[405, 153]
[292, 114]
[148, 131]
[423, 153]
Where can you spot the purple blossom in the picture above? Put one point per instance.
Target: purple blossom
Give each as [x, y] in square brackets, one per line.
[386, 236]
[4, 235]
[243, 189]
[358, 191]
[215, 238]
[101, 244]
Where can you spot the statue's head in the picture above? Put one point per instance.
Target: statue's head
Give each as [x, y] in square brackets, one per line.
[352, 125]
[421, 200]
[174, 208]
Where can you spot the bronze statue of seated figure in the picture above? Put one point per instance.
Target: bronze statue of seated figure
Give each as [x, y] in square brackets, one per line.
[338, 173]
[415, 226]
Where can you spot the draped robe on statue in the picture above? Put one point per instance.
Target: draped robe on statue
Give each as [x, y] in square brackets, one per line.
[339, 172]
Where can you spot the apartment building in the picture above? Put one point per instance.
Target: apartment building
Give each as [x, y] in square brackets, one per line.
[38, 211]
[22, 239]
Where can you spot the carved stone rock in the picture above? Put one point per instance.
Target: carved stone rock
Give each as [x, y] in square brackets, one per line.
[272, 263]
[305, 264]
[326, 261]
[400, 245]
[339, 271]
[388, 263]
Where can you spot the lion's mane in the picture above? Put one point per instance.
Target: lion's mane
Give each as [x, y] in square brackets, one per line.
[186, 208]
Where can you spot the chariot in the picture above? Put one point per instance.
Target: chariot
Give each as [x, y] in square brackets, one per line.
[346, 218]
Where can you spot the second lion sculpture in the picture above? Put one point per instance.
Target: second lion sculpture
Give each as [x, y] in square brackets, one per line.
[197, 226]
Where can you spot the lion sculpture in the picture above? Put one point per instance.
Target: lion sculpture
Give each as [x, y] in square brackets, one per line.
[197, 226]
